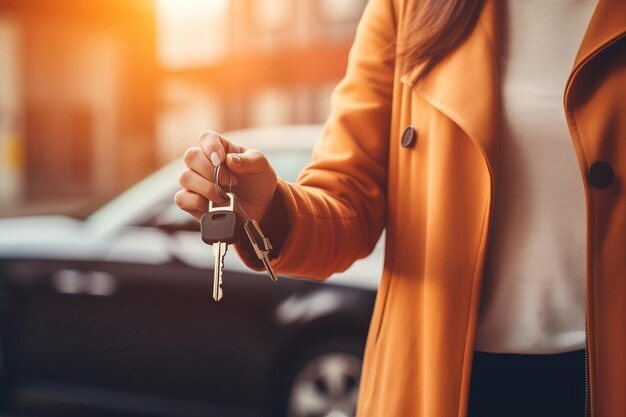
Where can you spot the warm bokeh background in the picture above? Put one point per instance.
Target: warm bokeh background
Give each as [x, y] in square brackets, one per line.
[95, 94]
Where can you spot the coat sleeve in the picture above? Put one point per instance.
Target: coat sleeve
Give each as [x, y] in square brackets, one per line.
[336, 209]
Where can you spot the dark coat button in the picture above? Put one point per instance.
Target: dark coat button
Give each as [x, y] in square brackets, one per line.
[408, 137]
[600, 174]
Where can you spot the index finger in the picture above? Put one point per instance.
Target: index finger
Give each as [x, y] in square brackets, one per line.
[216, 147]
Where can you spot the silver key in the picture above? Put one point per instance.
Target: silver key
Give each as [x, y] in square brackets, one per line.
[219, 252]
[219, 227]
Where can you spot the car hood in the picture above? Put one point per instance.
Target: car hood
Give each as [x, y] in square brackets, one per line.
[44, 236]
[61, 237]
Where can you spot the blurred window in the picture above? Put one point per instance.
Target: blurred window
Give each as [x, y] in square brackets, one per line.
[169, 217]
[270, 15]
[323, 102]
[342, 11]
[341, 18]
[10, 76]
[11, 138]
[188, 108]
[192, 32]
[288, 164]
[271, 107]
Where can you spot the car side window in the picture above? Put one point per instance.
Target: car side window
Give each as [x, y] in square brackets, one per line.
[170, 218]
[288, 164]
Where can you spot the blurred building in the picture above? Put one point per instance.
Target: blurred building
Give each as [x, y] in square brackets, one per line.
[228, 64]
[96, 94]
[78, 100]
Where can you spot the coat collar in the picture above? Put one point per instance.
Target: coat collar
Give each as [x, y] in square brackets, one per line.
[465, 85]
[607, 24]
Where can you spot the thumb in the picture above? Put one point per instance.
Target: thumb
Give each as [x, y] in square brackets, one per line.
[248, 162]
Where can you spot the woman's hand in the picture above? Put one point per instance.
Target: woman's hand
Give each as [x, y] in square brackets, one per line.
[253, 178]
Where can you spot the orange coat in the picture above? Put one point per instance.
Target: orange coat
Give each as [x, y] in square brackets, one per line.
[435, 201]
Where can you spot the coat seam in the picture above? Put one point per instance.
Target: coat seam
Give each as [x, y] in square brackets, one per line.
[472, 300]
[590, 245]
[462, 125]
[457, 120]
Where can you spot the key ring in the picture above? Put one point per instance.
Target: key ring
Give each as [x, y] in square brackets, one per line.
[218, 187]
[224, 195]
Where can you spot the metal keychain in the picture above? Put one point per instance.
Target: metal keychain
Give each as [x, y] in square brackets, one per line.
[259, 242]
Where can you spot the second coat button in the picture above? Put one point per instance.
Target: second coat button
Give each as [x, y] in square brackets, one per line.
[600, 174]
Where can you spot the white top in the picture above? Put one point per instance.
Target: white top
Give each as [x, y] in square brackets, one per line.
[533, 298]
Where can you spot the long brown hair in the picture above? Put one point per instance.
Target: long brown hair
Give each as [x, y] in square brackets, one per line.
[433, 28]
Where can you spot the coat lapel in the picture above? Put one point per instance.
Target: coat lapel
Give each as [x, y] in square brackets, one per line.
[607, 24]
[465, 86]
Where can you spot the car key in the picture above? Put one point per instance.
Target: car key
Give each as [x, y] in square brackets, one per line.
[260, 243]
[219, 227]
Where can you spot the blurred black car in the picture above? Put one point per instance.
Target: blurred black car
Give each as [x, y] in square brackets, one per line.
[116, 313]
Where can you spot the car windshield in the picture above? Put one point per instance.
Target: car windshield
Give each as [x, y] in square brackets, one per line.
[143, 199]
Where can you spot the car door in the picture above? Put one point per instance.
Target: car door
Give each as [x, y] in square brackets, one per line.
[141, 319]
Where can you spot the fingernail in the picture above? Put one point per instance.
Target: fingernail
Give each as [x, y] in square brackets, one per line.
[236, 160]
[215, 159]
